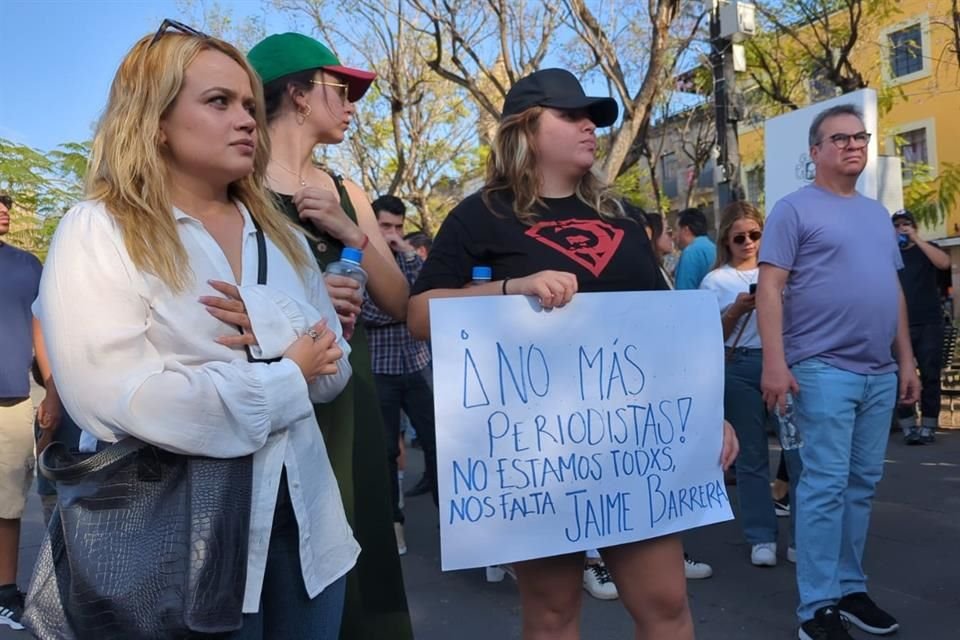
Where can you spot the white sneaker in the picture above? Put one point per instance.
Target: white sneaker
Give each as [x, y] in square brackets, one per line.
[792, 554]
[695, 570]
[764, 554]
[598, 583]
[401, 539]
[497, 572]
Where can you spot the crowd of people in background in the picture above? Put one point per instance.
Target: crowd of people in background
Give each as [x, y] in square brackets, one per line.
[157, 284]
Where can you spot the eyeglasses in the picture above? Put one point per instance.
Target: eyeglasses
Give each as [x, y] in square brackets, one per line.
[177, 26]
[740, 238]
[842, 140]
[344, 88]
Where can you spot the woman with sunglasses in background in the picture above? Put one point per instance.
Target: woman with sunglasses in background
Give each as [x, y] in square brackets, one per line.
[145, 288]
[733, 279]
[310, 100]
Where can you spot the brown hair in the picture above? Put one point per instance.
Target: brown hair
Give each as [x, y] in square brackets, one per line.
[512, 170]
[739, 210]
[129, 175]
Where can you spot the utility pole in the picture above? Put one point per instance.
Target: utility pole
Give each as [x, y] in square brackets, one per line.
[730, 21]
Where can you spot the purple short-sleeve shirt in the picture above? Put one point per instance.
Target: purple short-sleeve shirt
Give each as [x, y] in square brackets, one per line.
[841, 302]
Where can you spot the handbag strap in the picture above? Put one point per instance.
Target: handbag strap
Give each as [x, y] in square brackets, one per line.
[261, 279]
[746, 320]
[58, 464]
[261, 254]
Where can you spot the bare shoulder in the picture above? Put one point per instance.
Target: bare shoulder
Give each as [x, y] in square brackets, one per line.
[356, 193]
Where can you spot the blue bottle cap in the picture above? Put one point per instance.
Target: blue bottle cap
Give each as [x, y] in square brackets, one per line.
[349, 254]
[482, 273]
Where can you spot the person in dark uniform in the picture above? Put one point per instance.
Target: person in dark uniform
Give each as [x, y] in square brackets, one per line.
[923, 264]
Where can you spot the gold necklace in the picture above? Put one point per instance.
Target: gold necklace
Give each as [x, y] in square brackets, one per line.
[303, 182]
[744, 278]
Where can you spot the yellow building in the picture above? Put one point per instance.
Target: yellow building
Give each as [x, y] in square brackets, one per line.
[908, 57]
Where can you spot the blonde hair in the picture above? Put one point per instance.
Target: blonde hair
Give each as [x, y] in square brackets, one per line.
[128, 172]
[512, 169]
[739, 210]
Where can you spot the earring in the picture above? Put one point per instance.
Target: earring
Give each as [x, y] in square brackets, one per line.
[304, 114]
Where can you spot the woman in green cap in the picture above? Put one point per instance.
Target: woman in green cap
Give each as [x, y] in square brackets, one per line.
[310, 100]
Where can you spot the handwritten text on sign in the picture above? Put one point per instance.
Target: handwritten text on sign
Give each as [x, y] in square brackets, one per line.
[582, 427]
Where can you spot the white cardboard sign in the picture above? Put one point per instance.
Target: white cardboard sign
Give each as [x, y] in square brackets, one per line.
[583, 427]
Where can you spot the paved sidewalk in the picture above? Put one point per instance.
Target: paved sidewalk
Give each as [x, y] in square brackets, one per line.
[913, 558]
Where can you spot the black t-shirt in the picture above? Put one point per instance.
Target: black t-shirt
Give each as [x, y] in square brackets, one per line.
[920, 282]
[604, 254]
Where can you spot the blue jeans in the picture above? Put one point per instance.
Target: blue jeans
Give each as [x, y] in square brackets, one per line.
[286, 612]
[844, 420]
[743, 407]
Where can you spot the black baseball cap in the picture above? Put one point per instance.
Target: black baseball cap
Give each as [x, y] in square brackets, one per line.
[560, 89]
[903, 215]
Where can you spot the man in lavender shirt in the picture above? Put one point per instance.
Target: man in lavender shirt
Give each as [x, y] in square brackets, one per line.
[831, 316]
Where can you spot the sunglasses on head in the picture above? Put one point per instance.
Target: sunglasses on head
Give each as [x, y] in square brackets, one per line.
[168, 24]
[740, 238]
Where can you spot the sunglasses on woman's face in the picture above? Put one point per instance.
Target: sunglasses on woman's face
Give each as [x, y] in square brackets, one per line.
[740, 238]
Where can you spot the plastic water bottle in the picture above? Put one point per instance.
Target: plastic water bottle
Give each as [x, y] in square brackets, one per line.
[789, 434]
[480, 275]
[349, 266]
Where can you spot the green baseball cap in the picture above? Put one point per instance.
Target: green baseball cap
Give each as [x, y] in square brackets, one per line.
[281, 54]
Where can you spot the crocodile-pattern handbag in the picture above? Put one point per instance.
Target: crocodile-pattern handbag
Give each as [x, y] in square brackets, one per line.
[144, 544]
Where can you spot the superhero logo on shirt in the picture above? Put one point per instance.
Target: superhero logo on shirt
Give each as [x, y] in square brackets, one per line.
[589, 243]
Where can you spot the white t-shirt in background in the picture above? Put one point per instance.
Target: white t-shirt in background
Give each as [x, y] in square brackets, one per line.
[728, 283]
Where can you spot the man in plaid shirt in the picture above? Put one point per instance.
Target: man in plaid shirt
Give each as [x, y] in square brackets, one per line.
[401, 364]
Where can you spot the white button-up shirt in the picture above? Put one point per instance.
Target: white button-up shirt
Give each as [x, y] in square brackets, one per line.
[132, 357]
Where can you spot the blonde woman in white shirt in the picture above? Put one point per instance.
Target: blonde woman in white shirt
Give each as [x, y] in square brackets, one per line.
[145, 285]
[734, 279]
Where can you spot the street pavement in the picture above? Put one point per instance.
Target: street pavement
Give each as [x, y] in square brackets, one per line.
[913, 558]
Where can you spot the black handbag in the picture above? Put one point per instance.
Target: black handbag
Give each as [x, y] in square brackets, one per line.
[144, 544]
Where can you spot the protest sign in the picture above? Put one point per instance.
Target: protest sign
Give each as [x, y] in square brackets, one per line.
[583, 427]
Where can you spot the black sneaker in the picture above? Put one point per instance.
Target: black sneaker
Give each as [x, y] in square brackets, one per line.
[11, 606]
[912, 437]
[825, 625]
[863, 612]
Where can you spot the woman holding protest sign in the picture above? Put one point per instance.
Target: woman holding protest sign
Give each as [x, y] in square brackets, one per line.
[734, 279]
[550, 227]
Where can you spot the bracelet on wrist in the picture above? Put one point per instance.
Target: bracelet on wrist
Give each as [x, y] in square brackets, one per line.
[504, 287]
